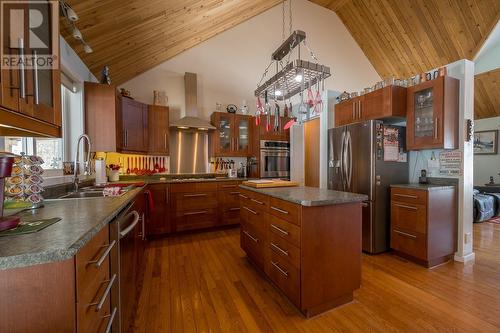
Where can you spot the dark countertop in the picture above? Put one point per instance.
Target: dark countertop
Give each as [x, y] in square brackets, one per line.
[424, 187]
[81, 219]
[309, 196]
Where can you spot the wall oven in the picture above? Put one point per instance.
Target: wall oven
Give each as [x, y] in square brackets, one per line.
[274, 159]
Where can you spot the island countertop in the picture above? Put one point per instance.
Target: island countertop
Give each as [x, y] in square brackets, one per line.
[309, 196]
[81, 219]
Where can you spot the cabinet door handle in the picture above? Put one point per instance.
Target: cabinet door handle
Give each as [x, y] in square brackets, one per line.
[360, 108]
[201, 212]
[125, 137]
[279, 249]
[436, 127]
[234, 209]
[228, 186]
[100, 261]
[234, 193]
[22, 72]
[250, 210]
[406, 196]
[281, 270]
[353, 110]
[243, 196]
[132, 225]
[404, 234]
[257, 201]
[35, 79]
[111, 320]
[405, 206]
[100, 304]
[283, 231]
[256, 240]
[195, 195]
[279, 210]
[165, 140]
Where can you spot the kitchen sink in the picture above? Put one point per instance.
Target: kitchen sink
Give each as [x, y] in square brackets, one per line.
[82, 194]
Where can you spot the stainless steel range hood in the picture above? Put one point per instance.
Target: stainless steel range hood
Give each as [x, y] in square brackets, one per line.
[191, 120]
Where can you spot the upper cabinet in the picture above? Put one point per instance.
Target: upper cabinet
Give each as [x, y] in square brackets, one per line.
[279, 134]
[115, 123]
[382, 103]
[158, 120]
[432, 119]
[30, 95]
[232, 136]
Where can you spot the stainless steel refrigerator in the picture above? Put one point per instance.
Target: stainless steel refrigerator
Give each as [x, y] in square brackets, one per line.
[358, 162]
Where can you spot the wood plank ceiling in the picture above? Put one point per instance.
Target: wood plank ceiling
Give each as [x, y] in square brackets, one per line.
[487, 94]
[405, 37]
[133, 36]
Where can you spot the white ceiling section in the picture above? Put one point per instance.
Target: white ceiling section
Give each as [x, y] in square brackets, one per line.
[230, 65]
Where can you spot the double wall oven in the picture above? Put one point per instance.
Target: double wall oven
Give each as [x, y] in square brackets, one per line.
[274, 159]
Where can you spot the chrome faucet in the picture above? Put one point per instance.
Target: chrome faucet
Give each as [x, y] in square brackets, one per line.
[86, 162]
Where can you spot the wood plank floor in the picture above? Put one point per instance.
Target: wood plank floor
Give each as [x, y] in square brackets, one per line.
[204, 283]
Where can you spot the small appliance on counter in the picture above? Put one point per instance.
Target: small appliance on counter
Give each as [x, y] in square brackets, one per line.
[100, 172]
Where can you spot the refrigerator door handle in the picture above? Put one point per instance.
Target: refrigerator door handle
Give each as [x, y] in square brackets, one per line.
[349, 154]
[342, 162]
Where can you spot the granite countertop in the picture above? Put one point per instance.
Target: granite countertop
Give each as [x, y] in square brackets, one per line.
[426, 187]
[309, 196]
[81, 219]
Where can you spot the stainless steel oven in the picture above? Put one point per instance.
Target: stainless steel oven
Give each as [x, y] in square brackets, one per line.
[274, 159]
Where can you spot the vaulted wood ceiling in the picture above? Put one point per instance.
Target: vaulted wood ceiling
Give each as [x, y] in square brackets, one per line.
[132, 36]
[487, 94]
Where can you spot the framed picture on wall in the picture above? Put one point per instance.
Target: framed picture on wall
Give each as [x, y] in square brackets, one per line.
[486, 142]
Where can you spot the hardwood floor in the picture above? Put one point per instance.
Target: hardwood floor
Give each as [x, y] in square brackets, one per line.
[204, 283]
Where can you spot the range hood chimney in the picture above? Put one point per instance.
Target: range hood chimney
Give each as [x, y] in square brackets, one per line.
[191, 120]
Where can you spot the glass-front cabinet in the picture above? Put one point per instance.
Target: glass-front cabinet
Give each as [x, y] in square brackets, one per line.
[432, 114]
[232, 136]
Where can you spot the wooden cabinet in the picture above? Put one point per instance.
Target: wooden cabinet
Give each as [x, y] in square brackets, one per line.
[30, 97]
[228, 201]
[159, 221]
[233, 136]
[423, 223]
[379, 104]
[281, 134]
[115, 123]
[303, 250]
[158, 130]
[432, 119]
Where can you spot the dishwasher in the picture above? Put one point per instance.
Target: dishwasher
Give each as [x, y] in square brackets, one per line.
[128, 231]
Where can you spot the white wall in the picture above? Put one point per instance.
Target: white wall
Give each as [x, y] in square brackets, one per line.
[230, 65]
[486, 165]
[488, 57]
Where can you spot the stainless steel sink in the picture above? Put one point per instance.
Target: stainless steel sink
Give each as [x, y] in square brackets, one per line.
[82, 194]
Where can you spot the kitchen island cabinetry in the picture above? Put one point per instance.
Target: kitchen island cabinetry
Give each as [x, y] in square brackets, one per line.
[307, 241]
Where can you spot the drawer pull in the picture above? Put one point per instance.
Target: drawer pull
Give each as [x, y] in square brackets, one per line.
[100, 261]
[405, 206]
[281, 270]
[406, 196]
[251, 210]
[234, 209]
[257, 201]
[256, 240]
[195, 195]
[111, 320]
[279, 249]
[196, 213]
[228, 186]
[100, 304]
[234, 193]
[279, 210]
[404, 234]
[283, 231]
[243, 196]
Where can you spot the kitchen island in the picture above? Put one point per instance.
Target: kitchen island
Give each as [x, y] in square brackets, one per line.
[307, 241]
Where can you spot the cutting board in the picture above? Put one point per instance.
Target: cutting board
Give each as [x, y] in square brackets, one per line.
[264, 183]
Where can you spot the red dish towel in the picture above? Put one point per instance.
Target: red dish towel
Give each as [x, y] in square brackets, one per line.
[150, 201]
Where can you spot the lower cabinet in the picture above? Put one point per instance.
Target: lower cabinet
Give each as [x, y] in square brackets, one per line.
[191, 206]
[290, 242]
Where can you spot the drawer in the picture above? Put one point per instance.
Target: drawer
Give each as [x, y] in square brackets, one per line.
[195, 219]
[90, 320]
[409, 195]
[285, 276]
[284, 249]
[255, 218]
[411, 243]
[285, 210]
[92, 259]
[228, 199]
[194, 200]
[411, 217]
[193, 187]
[254, 200]
[228, 186]
[253, 243]
[230, 216]
[286, 230]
